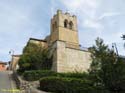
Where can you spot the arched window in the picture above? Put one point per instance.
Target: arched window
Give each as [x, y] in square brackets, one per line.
[66, 23]
[70, 25]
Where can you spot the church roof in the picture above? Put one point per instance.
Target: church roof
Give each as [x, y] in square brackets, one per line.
[37, 39]
[16, 55]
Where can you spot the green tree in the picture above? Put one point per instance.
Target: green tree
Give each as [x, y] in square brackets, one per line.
[34, 57]
[107, 69]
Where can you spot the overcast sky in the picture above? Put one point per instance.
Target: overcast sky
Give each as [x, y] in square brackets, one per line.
[22, 19]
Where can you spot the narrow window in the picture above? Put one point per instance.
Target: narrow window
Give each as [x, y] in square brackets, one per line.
[65, 23]
[55, 24]
[53, 27]
[70, 25]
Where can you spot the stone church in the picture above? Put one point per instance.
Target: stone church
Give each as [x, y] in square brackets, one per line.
[63, 42]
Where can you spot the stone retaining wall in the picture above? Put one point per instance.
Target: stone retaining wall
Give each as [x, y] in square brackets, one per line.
[25, 86]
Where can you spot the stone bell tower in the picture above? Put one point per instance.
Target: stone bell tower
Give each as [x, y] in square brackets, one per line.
[64, 28]
[64, 45]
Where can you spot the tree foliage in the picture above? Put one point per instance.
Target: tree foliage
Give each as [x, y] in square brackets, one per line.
[34, 57]
[107, 69]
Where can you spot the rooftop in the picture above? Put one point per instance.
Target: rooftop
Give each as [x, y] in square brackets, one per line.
[37, 39]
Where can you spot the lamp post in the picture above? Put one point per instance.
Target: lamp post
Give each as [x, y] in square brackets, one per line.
[11, 53]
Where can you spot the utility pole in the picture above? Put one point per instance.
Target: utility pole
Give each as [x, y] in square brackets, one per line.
[114, 46]
[123, 37]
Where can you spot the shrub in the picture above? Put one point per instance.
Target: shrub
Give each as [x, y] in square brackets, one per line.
[37, 74]
[35, 57]
[19, 72]
[65, 85]
[74, 75]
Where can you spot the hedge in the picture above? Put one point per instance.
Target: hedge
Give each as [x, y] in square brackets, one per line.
[68, 85]
[63, 82]
[74, 75]
[37, 74]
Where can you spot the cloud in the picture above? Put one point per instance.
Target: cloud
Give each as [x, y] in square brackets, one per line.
[92, 24]
[86, 10]
[96, 22]
[109, 14]
[92, 20]
[84, 7]
[19, 21]
[23, 19]
[79, 4]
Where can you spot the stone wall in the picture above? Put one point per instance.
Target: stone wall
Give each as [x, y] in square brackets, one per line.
[15, 60]
[70, 59]
[69, 36]
[77, 60]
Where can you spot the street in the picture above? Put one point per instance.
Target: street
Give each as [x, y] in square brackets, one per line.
[6, 82]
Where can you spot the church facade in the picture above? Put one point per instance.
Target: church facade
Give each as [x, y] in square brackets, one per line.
[63, 44]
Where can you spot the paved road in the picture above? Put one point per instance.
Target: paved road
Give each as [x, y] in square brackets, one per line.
[6, 83]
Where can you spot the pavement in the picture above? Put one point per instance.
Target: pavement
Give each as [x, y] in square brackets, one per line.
[7, 85]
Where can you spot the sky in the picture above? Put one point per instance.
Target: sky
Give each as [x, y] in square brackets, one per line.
[22, 19]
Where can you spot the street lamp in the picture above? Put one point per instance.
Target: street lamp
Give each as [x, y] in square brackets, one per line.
[11, 53]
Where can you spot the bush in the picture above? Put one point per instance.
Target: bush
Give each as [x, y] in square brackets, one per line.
[63, 82]
[19, 72]
[74, 75]
[35, 57]
[37, 74]
[65, 85]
